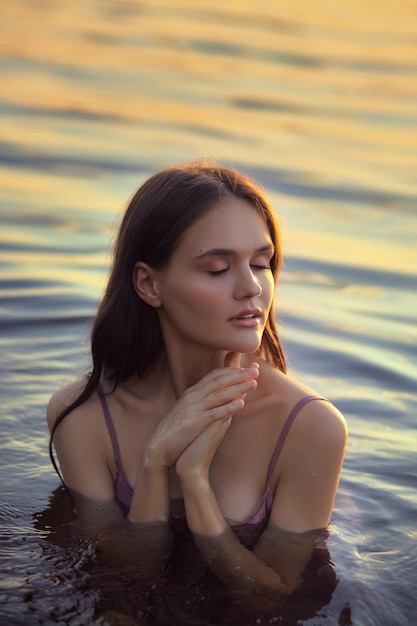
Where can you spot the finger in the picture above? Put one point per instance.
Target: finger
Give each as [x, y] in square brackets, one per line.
[223, 412]
[223, 396]
[222, 378]
[196, 401]
[218, 429]
[232, 359]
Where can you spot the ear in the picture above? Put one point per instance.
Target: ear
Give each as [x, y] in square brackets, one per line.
[146, 284]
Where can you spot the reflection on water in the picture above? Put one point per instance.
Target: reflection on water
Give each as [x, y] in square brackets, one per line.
[315, 100]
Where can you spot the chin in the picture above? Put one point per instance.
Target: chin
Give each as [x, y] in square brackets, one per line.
[247, 347]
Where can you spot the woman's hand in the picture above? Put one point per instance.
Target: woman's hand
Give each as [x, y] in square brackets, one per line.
[210, 404]
[195, 460]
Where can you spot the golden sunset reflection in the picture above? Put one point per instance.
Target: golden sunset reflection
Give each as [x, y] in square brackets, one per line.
[314, 100]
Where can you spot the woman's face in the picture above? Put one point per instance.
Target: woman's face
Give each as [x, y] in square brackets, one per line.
[218, 288]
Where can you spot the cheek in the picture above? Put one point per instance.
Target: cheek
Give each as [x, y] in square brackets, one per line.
[206, 298]
[269, 290]
[195, 297]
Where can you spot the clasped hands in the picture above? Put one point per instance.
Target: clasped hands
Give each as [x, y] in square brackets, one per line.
[193, 429]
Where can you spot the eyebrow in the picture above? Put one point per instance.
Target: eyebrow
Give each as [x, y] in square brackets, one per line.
[228, 252]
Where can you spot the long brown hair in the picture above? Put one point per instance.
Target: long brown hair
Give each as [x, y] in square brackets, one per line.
[126, 336]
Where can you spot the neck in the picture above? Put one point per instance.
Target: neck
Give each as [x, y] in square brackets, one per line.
[180, 367]
[188, 366]
[173, 372]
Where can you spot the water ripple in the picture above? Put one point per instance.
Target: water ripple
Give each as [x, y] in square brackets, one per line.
[16, 157]
[348, 274]
[294, 184]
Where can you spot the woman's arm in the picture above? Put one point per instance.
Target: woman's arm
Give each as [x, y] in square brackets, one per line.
[237, 566]
[302, 503]
[80, 443]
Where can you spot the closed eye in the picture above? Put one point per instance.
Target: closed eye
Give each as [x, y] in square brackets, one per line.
[261, 267]
[217, 272]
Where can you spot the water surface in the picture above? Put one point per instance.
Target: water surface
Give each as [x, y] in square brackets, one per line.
[318, 103]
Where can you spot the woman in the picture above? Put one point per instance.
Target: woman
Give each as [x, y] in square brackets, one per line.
[188, 412]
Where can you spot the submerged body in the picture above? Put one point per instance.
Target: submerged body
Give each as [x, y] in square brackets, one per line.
[201, 422]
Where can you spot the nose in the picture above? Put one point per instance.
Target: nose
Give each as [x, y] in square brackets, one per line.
[247, 285]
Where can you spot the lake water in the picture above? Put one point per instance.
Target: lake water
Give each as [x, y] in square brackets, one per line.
[318, 102]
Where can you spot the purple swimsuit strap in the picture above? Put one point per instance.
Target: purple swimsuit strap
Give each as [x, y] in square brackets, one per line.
[288, 423]
[111, 429]
[281, 440]
[259, 513]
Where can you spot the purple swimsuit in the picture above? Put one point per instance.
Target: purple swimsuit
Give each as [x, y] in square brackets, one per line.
[259, 514]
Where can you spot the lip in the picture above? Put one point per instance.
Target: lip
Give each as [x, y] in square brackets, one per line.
[247, 317]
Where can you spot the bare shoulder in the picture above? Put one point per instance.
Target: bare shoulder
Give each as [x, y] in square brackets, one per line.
[319, 426]
[321, 421]
[317, 419]
[62, 399]
[82, 443]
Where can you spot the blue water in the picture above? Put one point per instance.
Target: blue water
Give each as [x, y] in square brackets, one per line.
[318, 103]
